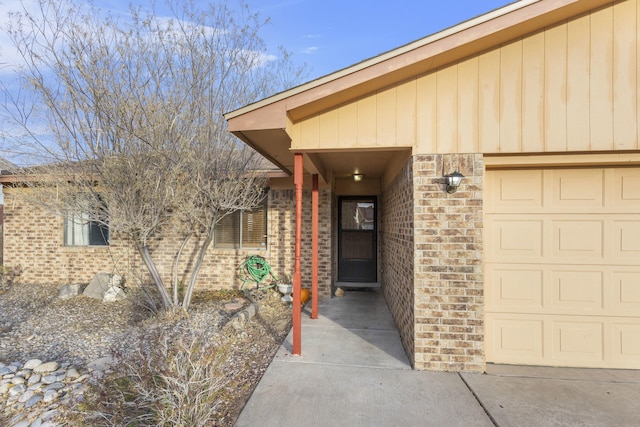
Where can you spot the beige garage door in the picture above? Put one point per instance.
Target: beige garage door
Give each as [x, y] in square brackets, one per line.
[563, 267]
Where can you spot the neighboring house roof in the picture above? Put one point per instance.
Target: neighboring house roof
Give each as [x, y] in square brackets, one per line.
[5, 164]
[263, 124]
[18, 175]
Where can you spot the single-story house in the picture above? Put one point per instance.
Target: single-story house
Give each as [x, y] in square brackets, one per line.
[534, 258]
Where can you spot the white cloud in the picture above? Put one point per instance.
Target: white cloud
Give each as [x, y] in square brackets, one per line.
[309, 50]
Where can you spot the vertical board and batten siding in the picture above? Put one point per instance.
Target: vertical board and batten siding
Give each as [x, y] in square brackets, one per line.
[569, 87]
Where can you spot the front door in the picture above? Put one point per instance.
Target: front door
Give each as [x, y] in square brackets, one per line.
[357, 244]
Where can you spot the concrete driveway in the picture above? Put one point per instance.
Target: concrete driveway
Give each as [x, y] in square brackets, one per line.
[353, 372]
[528, 396]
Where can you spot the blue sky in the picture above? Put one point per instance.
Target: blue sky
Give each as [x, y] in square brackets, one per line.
[327, 35]
[330, 35]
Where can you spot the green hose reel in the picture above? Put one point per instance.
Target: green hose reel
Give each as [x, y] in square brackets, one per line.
[256, 269]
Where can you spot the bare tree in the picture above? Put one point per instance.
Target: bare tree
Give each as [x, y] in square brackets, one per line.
[133, 112]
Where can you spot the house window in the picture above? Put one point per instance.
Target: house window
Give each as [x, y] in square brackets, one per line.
[243, 229]
[80, 230]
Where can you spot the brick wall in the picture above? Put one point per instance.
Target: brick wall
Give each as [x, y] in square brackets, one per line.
[397, 254]
[448, 258]
[34, 241]
[282, 236]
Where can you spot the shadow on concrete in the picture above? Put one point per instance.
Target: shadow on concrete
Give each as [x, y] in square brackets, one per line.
[354, 330]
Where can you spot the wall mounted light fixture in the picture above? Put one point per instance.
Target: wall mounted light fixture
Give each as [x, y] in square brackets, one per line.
[357, 177]
[452, 182]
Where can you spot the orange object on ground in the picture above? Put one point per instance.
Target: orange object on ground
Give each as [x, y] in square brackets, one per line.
[304, 295]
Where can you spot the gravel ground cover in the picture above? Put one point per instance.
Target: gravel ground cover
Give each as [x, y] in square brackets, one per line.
[35, 324]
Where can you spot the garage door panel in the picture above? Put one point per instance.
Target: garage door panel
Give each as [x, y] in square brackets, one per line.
[626, 189]
[626, 240]
[516, 239]
[626, 344]
[577, 188]
[626, 292]
[577, 292]
[577, 240]
[578, 342]
[515, 191]
[515, 288]
[514, 338]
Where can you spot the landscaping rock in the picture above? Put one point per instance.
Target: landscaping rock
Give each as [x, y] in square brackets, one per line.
[103, 283]
[114, 293]
[32, 363]
[39, 397]
[70, 291]
[46, 367]
[98, 286]
[101, 364]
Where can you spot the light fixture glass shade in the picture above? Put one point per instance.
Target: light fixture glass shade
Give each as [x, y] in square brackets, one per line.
[453, 181]
[357, 177]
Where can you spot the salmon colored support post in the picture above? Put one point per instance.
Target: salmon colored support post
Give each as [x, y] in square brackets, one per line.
[314, 248]
[297, 275]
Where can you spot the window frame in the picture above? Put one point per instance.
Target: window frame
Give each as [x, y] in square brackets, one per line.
[237, 242]
[82, 220]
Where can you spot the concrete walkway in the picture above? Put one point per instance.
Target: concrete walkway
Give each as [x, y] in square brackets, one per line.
[353, 372]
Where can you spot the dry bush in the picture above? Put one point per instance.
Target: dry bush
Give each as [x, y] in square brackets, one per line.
[9, 276]
[175, 378]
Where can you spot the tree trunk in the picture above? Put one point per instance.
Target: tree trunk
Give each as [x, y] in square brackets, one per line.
[196, 269]
[155, 275]
[175, 268]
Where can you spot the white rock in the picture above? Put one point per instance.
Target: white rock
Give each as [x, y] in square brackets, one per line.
[18, 380]
[49, 379]
[114, 293]
[34, 400]
[50, 396]
[25, 396]
[34, 379]
[25, 373]
[72, 373]
[55, 386]
[46, 367]
[32, 363]
[17, 390]
[71, 290]
[102, 364]
[81, 378]
[48, 415]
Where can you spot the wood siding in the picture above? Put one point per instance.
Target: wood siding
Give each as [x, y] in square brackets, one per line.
[570, 87]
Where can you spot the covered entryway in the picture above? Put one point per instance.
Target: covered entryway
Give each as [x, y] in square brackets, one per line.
[357, 241]
[562, 266]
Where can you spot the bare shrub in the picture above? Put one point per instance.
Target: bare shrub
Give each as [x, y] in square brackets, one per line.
[146, 297]
[175, 378]
[9, 276]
